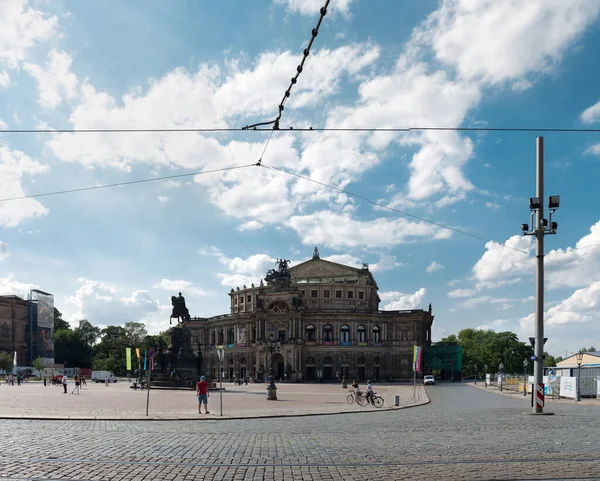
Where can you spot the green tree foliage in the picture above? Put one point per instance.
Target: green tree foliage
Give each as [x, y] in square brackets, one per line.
[70, 348]
[481, 347]
[135, 333]
[588, 349]
[59, 322]
[38, 364]
[6, 361]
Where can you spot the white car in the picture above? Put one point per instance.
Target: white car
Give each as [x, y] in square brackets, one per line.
[428, 380]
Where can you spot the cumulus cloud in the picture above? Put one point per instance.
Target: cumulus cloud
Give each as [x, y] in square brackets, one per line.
[385, 262]
[55, 82]
[434, 266]
[313, 7]
[240, 271]
[10, 286]
[499, 261]
[591, 115]
[175, 286]
[3, 250]
[400, 301]
[15, 164]
[462, 293]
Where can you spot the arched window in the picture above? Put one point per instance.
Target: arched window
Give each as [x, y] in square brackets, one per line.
[221, 340]
[278, 306]
[376, 361]
[242, 361]
[360, 333]
[254, 334]
[230, 336]
[213, 338]
[327, 361]
[361, 361]
[310, 333]
[327, 333]
[376, 334]
[310, 361]
[345, 333]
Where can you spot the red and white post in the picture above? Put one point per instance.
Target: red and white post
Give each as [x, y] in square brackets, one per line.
[539, 397]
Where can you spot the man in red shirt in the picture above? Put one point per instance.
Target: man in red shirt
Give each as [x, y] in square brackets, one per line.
[202, 393]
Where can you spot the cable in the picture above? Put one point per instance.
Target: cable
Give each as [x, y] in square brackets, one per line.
[378, 204]
[301, 129]
[141, 181]
[586, 247]
[305, 54]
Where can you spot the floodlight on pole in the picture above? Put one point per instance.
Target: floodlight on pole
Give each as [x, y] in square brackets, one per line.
[553, 201]
[534, 203]
[579, 361]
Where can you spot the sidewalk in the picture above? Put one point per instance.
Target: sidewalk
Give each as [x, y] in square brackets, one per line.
[585, 401]
[119, 402]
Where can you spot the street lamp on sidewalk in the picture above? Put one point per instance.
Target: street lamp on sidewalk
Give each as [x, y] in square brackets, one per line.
[500, 367]
[579, 361]
[525, 364]
[485, 374]
[271, 346]
[475, 374]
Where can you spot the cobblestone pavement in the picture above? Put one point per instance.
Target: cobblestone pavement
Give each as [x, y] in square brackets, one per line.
[117, 401]
[464, 433]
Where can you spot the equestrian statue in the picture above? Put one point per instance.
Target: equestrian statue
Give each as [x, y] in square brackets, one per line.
[180, 312]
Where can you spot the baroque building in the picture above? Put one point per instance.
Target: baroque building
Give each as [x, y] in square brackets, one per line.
[14, 317]
[327, 319]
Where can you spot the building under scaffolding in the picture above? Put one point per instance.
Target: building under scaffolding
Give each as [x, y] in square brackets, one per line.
[443, 360]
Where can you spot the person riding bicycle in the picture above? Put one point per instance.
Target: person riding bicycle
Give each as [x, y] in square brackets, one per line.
[370, 393]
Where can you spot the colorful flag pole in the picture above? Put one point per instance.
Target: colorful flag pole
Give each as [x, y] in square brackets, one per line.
[145, 358]
[128, 357]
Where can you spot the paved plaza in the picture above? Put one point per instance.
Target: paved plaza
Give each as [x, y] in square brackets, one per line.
[464, 433]
[117, 401]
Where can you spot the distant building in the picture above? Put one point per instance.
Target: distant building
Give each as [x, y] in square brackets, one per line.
[27, 327]
[444, 360]
[327, 319]
[590, 359]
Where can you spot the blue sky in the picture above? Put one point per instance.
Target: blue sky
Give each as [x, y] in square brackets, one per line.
[118, 254]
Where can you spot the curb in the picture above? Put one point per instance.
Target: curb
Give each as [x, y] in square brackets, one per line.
[427, 400]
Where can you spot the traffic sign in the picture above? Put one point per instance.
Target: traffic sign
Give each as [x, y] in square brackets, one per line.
[532, 341]
[532, 358]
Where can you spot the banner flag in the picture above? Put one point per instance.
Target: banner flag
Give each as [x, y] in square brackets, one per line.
[128, 357]
[137, 351]
[145, 358]
[417, 354]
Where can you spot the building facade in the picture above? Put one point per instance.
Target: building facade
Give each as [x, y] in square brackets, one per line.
[326, 317]
[27, 327]
[14, 317]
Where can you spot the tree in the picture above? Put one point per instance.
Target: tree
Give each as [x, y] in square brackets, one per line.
[38, 364]
[550, 361]
[135, 333]
[588, 349]
[70, 348]
[59, 322]
[6, 361]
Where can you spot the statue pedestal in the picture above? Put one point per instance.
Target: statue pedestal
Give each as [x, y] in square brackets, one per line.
[271, 393]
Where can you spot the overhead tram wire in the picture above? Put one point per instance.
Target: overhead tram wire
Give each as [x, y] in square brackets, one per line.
[301, 129]
[379, 204]
[294, 80]
[131, 182]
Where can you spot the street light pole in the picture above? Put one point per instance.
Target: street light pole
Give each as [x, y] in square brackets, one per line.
[579, 360]
[271, 346]
[485, 374]
[501, 366]
[539, 229]
[475, 374]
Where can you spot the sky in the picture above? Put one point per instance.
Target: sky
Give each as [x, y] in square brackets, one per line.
[118, 254]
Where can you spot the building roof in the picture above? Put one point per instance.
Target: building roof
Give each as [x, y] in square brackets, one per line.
[589, 358]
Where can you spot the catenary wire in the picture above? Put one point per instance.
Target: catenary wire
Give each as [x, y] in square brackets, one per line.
[301, 129]
[299, 68]
[379, 204]
[117, 184]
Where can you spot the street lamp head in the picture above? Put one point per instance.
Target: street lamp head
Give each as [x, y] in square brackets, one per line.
[534, 203]
[525, 363]
[579, 358]
[554, 201]
[544, 222]
[501, 366]
[554, 226]
[525, 227]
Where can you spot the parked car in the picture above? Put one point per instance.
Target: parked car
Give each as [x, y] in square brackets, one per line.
[428, 380]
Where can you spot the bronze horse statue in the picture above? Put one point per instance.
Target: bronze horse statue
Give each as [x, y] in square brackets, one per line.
[180, 311]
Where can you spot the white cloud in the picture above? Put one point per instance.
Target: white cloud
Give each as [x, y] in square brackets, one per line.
[500, 261]
[313, 7]
[591, 115]
[250, 225]
[385, 262]
[593, 150]
[102, 304]
[4, 79]
[402, 301]
[342, 230]
[3, 250]
[434, 266]
[3, 125]
[22, 27]
[14, 164]
[55, 82]
[244, 271]
[163, 199]
[176, 286]
[462, 293]
[482, 40]
[10, 286]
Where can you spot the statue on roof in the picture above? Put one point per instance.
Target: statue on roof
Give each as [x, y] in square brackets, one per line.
[316, 253]
[279, 278]
[430, 308]
[365, 266]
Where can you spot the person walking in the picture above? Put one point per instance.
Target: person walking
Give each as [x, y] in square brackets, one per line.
[202, 395]
[64, 383]
[83, 383]
[45, 381]
[370, 393]
[77, 383]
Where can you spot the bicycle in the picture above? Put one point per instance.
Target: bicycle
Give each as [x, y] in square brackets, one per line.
[377, 401]
[355, 397]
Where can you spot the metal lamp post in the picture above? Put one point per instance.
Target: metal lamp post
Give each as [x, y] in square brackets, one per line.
[271, 346]
[501, 366]
[579, 361]
[485, 374]
[475, 374]
[525, 364]
[344, 362]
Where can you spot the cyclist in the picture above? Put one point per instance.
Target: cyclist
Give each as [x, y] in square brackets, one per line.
[370, 393]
